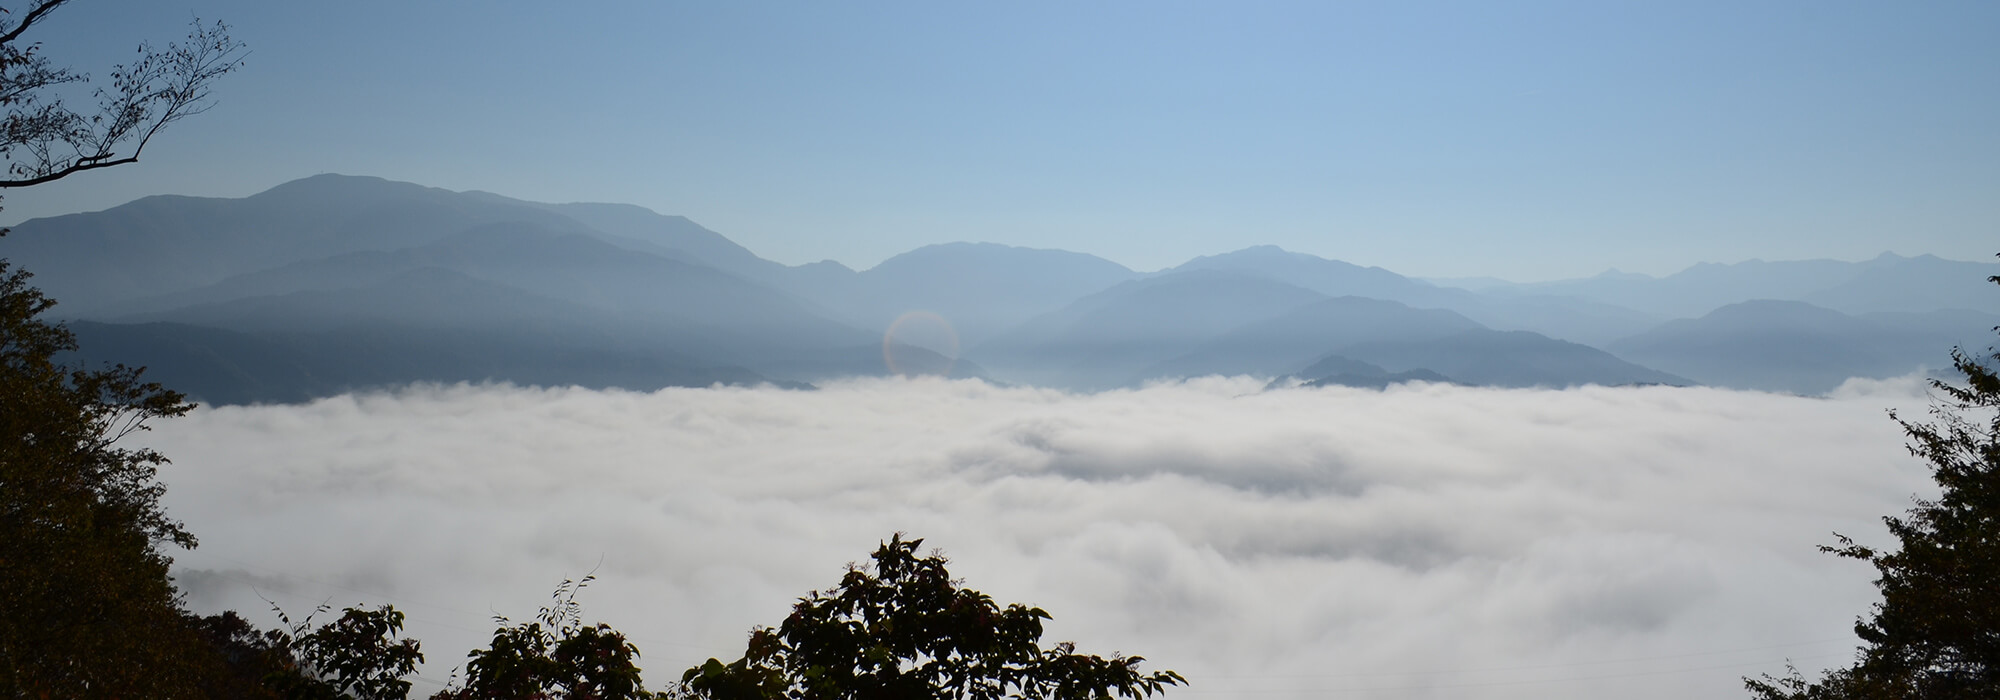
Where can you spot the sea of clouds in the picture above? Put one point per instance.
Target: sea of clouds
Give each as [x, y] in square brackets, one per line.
[1427, 541]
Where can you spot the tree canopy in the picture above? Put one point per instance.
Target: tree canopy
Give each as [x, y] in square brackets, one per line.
[904, 629]
[553, 656]
[1936, 632]
[87, 608]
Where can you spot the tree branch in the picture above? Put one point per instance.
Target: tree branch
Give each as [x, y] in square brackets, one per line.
[161, 87]
[74, 168]
[29, 19]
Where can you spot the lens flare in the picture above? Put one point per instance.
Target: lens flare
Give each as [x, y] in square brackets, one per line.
[920, 343]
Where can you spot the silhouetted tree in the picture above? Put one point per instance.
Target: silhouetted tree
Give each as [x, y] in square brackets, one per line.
[554, 657]
[356, 656]
[86, 607]
[43, 138]
[1936, 633]
[247, 659]
[904, 630]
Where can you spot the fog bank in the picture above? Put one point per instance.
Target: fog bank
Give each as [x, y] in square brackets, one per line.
[1425, 541]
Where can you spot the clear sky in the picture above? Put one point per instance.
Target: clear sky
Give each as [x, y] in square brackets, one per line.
[1528, 140]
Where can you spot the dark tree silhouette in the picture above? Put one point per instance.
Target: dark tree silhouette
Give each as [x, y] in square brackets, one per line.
[904, 630]
[554, 657]
[86, 606]
[87, 609]
[1936, 633]
[356, 656]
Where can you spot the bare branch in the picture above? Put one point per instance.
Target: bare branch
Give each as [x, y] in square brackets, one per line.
[66, 172]
[28, 20]
[45, 140]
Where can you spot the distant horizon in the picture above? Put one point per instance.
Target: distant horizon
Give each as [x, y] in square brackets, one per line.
[12, 222]
[1542, 140]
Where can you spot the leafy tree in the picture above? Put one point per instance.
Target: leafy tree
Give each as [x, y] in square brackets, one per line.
[87, 608]
[249, 660]
[1936, 633]
[904, 629]
[86, 605]
[554, 656]
[355, 656]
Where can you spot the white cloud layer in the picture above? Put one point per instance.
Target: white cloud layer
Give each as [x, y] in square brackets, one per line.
[1423, 542]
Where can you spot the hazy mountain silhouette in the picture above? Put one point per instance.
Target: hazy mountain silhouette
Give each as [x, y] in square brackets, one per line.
[219, 366]
[424, 324]
[1565, 317]
[980, 289]
[1197, 322]
[1796, 347]
[1104, 339]
[672, 236]
[335, 282]
[1339, 370]
[1886, 283]
[533, 279]
[983, 288]
[512, 274]
[1486, 357]
[416, 296]
[1329, 277]
[1284, 344]
[1921, 283]
[165, 244]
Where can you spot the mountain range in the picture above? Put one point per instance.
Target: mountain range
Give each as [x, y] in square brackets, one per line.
[336, 283]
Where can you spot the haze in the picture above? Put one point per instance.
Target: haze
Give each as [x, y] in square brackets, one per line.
[1284, 344]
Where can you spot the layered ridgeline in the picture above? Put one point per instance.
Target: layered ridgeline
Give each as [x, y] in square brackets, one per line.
[335, 283]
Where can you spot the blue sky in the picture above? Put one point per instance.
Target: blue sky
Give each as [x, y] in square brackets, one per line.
[1522, 140]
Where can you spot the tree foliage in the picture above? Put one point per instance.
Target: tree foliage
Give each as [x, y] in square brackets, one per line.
[555, 656]
[904, 629]
[86, 605]
[44, 138]
[1936, 632]
[356, 656]
[87, 608]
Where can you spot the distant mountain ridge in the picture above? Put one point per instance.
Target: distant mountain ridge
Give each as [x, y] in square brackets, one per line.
[1887, 282]
[335, 283]
[1554, 315]
[1102, 340]
[1795, 347]
[981, 288]
[1229, 322]
[1287, 343]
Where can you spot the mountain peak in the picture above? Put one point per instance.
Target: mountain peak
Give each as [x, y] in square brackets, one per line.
[333, 187]
[1253, 253]
[1265, 249]
[828, 265]
[962, 256]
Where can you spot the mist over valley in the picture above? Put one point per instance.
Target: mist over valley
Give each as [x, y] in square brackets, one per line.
[1426, 540]
[672, 351]
[1279, 474]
